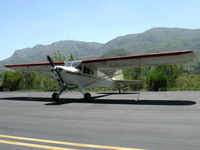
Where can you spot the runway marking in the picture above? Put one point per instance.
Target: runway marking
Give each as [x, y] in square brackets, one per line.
[60, 143]
[34, 145]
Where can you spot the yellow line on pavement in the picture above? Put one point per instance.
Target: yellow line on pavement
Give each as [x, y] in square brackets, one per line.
[34, 145]
[68, 143]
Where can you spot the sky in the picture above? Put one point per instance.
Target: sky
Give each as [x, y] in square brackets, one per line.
[26, 23]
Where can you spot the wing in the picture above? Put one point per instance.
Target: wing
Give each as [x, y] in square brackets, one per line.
[176, 57]
[33, 67]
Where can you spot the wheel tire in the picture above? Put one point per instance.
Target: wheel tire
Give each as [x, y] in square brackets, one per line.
[55, 97]
[87, 97]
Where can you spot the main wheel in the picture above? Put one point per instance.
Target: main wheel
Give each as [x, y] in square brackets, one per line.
[87, 97]
[55, 97]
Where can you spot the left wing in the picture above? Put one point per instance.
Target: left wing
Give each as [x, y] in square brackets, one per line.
[176, 57]
[34, 67]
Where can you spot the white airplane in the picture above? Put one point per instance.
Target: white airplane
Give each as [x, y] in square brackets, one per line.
[87, 73]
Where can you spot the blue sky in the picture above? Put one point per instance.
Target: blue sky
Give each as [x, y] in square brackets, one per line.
[26, 23]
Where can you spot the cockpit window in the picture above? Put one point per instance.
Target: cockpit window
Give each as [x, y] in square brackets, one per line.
[72, 63]
[79, 66]
[68, 64]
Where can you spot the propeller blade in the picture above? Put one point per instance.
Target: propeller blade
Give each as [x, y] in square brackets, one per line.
[50, 61]
[58, 73]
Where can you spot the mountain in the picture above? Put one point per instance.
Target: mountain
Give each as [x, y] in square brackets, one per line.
[39, 52]
[157, 39]
[150, 41]
[115, 53]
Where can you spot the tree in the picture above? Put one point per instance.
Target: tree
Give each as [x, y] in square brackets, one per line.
[163, 77]
[38, 81]
[1, 78]
[71, 57]
[156, 81]
[58, 57]
[11, 80]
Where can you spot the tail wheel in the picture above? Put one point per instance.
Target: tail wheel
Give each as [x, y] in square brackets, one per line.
[55, 97]
[87, 97]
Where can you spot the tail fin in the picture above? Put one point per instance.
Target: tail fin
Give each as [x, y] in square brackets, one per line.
[119, 80]
[118, 75]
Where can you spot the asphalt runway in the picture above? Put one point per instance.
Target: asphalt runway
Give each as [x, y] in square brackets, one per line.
[159, 121]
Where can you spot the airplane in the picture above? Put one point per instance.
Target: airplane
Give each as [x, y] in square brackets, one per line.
[89, 73]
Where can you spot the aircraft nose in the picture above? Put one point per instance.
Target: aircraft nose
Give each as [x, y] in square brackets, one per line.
[52, 70]
[56, 69]
[71, 70]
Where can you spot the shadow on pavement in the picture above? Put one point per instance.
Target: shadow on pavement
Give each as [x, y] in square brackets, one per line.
[103, 101]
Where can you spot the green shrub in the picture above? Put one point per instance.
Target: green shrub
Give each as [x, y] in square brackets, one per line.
[163, 77]
[188, 82]
[11, 80]
[156, 81]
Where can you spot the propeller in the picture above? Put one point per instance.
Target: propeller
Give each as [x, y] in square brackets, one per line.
[55, 69]
[50, 61]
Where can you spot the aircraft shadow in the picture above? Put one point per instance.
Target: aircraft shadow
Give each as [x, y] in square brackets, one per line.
[104, 101]
[116, 93]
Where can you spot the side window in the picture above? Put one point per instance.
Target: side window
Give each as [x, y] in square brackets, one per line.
[87, 70]
[91, 71]
[79, 67]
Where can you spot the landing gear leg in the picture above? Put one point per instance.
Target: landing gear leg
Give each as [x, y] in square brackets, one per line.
[119, 91]
[55, 96]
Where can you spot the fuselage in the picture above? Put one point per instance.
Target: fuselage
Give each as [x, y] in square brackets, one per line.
[76, 77]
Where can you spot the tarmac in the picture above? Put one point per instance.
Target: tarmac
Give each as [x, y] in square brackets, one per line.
[112, 121]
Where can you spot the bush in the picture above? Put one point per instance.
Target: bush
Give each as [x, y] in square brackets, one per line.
[188, 82]
[11, 80]
[156, 81]
[163, 77]
[40, 82]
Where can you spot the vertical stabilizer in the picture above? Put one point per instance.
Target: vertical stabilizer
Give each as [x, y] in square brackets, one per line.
[118, 75]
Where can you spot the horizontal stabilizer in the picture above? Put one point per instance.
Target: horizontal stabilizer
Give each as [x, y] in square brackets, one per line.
[128, 82]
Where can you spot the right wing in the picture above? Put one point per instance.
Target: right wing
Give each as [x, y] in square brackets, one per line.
[176, 57]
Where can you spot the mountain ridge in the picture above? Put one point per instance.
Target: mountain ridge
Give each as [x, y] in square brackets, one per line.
[157, 39]
[65, 47]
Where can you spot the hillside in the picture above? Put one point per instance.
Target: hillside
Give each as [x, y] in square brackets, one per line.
[115, 53]
[157, 39]
[39, 52]
[150, 41]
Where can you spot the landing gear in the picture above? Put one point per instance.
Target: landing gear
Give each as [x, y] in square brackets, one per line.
[55, 97]
[119, 91]
[87, 97]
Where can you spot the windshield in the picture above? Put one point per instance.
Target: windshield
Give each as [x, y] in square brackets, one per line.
[72, 63]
